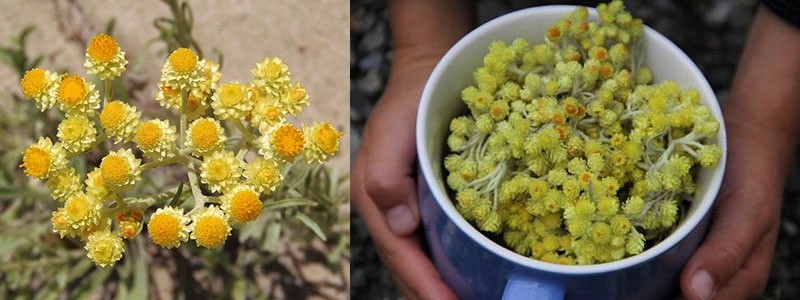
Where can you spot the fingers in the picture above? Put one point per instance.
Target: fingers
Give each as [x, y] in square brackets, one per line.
[413, 269]
[750, 281]
[389, 165]
[738, 224]
[415, 274]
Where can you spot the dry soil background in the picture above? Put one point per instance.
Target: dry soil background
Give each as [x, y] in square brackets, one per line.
[311, 36]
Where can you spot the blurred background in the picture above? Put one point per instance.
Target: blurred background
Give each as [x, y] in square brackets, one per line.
[274, 257]
[711, 32]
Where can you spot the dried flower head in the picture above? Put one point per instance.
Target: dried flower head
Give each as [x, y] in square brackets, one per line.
[168, 227]
[210, 227]
[156, 138]
[119, 120]
[322, 142]
[40, 85]
[104, 248]
[120, 169]
[221, 171]
[77, 96]
[43, 159]
[104, 58]
[242, 203]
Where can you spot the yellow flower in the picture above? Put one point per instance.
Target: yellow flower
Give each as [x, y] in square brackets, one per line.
[221, 171]
[40, 85]
[104, 57]
[156, 138]
[77, 96]
[709, 155]
[210, 227]
[242, 204]
[263, 174]
[104, 248]
[95, 186]
[231, 102]
[33, 83]
[82, 211]
[167, 96]
[271, 75]
[168, 227]
[183, 60]
[119, 120]
[283, 143]
[43, 159]
[120, 169]
[211, 77]
[77, 133]
[59, 220]
[267, 111]
[197, 107]
[204, 136]
[104, 224]
[294, 98]
[129, 229]
[64, 184]
[322, 142]
[182, 71]
[170, 97]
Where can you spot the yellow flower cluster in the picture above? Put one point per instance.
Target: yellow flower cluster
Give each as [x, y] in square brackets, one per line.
[570, 154]
[105, 208]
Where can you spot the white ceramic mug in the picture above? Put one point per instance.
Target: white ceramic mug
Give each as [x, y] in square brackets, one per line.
[476, 267]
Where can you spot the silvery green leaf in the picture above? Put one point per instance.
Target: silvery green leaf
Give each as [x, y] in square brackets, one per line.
[289, 203]
[310, 224]
[273, 236]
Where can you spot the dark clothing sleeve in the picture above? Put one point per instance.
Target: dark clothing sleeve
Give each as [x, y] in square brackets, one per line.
[789, 10]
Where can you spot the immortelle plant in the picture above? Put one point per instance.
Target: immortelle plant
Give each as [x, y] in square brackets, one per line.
[97, 209]
[569, 153]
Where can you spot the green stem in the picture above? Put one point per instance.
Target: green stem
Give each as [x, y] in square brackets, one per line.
[199, 198]
[153, 199]
[184, 112]
[120, 202]
[107, 85]
[192, 160]
[154, 164]
[243, 145]
[241, 148]
[244, 131]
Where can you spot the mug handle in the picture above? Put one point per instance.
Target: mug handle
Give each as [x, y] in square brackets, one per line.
[523, 286]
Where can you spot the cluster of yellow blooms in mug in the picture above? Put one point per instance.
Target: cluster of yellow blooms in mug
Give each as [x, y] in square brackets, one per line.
[569, 154]
[93, 209]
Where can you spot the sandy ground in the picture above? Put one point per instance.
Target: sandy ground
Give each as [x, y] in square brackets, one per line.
[311, 36]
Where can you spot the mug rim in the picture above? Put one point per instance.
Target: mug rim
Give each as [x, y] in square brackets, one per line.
[446, 204]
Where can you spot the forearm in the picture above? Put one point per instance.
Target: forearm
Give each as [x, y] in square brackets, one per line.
[763, 110]
[422, 31]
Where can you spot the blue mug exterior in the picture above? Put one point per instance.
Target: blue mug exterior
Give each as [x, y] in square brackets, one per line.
[475, 267]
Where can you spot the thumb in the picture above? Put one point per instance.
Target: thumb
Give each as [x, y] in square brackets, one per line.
[737, 225]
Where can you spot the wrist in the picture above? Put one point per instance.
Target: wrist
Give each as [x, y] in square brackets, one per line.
[756, 149]
[422, 31]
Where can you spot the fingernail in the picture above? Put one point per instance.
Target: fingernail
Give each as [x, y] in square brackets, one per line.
[400, 219]
[703, 284]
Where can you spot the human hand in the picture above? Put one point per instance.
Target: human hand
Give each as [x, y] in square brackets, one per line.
[734, 260]
[384, 173]
[383, 181]
[761, 119]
